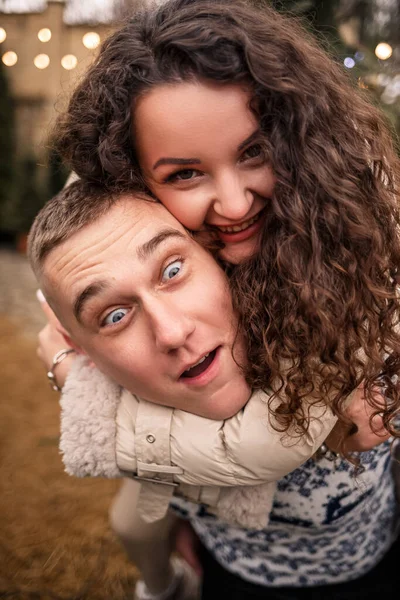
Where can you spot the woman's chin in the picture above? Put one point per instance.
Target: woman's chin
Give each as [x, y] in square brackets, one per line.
[238, 253]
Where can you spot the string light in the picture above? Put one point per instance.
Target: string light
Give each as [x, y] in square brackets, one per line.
[9, 58]
[3, 34]
[383, 51]
[69, 62]
[91, 40]
[41, 61]
[44, 34]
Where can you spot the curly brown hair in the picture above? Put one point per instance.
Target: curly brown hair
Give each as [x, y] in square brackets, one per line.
[319, 302]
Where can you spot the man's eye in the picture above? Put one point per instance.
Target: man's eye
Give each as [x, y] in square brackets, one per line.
[115, 316]
[172, 270]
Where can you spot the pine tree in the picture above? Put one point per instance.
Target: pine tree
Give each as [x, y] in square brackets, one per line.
[29, 195]
[352, 30]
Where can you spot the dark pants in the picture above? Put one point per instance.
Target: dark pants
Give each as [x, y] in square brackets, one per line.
[382, 583]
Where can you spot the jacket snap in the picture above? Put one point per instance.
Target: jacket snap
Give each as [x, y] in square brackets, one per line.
[150, 438]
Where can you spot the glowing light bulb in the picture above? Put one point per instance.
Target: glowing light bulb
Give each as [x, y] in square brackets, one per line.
[41, 61]
[91, 40]
[9, 58]
[69, 62]
[383, 51]
[44, 34]
[3, 34]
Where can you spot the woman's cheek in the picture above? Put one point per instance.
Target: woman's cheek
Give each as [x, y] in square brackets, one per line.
[185, 207]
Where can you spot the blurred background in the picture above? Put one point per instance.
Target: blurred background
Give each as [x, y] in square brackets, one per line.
[54, 537]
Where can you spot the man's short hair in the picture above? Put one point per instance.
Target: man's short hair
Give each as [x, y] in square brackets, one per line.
[72, 209]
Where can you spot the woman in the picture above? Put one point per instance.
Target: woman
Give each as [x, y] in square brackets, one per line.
[213, 107]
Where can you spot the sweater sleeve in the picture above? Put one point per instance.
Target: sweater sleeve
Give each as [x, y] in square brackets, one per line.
[89, 405]
[246, 449]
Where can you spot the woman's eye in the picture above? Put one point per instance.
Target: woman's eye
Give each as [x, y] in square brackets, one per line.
[183, 175]
[115, 316]
[255, 151]
[172, 270]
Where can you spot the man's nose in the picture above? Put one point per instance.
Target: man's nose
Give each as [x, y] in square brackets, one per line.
[170, 325]
[233, 198]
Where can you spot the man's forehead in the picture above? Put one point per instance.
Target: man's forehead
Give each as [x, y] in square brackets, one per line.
[145, 214]
[135, 221]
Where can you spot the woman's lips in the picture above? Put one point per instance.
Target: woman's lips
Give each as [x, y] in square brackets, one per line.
[234, 237]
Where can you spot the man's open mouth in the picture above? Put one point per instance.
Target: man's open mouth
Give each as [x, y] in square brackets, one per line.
[201, 366]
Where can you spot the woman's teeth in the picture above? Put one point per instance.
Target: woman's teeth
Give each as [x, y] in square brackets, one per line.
[241, 227]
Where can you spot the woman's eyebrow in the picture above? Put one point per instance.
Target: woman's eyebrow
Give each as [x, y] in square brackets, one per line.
[176, 161]
[253, 136]
[196, 161]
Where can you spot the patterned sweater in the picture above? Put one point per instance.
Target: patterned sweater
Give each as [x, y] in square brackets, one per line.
[327, 526]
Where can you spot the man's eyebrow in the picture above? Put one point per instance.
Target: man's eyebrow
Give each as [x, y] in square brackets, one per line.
[176, 161]
[251, 138]
[146, 249]
[89, 292]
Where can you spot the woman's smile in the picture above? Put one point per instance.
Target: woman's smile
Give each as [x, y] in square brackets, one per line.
[240, 232]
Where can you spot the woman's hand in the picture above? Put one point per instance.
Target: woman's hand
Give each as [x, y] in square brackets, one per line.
[50, 341]
[187, 545]
[366, 437]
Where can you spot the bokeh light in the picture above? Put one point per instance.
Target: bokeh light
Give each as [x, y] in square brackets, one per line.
[383, 51]
[44, 34]
[69, 62]
[3, 34]
[349, 62]
[9, 58]
[91, 40]
[41, 61]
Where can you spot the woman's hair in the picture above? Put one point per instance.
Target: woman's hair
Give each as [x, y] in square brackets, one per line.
[319, 302]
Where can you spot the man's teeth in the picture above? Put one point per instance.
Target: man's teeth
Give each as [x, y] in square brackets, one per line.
[198, 363]
[236, 228]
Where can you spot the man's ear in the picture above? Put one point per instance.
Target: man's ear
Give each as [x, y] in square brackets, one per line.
[69, 340]
[55, 322]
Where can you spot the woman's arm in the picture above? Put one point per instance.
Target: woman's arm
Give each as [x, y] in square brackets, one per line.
[246, 449]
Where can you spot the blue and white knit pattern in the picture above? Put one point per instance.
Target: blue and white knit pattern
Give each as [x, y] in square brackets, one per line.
[327, 526]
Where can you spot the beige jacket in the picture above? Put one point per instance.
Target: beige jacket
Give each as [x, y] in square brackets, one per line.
[231, 466]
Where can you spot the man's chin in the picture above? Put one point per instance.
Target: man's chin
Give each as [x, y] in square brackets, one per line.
[230, 405]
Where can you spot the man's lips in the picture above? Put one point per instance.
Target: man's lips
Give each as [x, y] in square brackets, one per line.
[201, 366]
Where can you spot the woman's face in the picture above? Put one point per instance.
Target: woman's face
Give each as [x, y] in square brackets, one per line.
[199, 148]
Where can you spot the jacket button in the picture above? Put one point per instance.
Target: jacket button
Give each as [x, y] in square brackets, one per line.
[150, 438]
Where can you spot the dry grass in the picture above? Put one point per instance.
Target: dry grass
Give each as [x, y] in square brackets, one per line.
[55, 542]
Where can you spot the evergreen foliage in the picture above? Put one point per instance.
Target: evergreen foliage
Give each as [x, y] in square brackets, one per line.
[29, 196]
[7, 153]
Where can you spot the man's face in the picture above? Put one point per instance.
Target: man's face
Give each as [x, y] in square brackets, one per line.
[151, 308]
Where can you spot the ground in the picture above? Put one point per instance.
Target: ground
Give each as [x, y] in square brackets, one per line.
[55, 541]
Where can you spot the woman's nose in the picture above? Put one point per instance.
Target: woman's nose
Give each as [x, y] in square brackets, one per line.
[233, 198]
